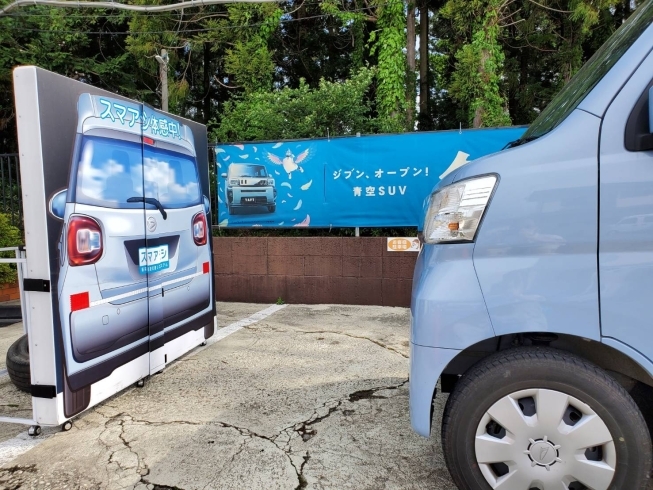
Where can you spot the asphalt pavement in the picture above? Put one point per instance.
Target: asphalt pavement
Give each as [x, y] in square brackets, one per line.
[307, 397]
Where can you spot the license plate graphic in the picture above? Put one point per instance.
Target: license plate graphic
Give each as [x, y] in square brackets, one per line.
[153, 259]
[249, 199]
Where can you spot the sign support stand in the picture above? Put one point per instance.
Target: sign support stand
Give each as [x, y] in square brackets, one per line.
[21, 262]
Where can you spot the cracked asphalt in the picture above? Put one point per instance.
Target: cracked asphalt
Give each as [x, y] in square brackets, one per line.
[310, 397]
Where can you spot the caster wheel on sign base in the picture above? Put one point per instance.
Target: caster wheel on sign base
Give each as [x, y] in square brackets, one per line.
[34, 430]
[67, 426]
[203, 343]
[140, 383]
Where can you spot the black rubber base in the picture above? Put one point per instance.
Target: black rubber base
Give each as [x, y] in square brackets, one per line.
[18, 364]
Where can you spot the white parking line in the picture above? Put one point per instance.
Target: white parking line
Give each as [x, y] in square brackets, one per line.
[234, 327]
[12, 448]
[3, 373]
[221, 333]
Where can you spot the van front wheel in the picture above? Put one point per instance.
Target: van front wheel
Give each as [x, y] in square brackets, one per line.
[540, 418]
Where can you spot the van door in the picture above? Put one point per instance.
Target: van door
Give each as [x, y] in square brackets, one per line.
[176, 253]
[102, 294]
[626, 216]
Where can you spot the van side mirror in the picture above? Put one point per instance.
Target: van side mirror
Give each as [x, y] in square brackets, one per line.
[57, 206]
[224, 176]
[207, 205]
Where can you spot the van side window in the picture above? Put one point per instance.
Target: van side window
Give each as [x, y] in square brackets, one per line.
[638, 136]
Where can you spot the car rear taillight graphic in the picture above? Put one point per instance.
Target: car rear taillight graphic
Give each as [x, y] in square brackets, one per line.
[199, 229]
[84, 241]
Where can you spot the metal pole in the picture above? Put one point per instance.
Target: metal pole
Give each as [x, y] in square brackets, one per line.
[20, 254]
[163, 73]
[2, 180]
[213, 163]
[11, 194]
[20, 194]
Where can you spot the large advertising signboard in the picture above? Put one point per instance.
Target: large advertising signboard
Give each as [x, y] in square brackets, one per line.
[119, 252]
[369, 181]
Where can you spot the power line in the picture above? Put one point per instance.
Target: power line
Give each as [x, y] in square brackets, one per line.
[29, 14]
[123, 6]
[175, 31]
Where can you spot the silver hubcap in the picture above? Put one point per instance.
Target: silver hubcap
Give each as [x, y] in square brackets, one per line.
[545, 440]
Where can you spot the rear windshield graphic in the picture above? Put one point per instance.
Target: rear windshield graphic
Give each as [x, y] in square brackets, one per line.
[240, 170]
[111, 171]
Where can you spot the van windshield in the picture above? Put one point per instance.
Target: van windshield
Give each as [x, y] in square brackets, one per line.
[111, 171]
[240, 170]
[590, 74]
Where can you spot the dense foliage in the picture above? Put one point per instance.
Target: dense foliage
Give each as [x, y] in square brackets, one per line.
[315, 68]
[290, 113]
[10, 236]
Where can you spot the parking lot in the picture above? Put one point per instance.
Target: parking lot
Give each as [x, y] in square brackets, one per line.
[284, 397]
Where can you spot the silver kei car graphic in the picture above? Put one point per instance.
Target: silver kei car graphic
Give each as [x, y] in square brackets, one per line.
[134, 250]
[249, 185]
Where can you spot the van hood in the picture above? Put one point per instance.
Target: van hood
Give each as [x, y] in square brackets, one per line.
[560, 148]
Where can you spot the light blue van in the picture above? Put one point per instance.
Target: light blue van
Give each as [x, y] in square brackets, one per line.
[532, 298]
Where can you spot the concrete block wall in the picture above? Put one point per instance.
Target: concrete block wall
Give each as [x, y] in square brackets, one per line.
[312, 270]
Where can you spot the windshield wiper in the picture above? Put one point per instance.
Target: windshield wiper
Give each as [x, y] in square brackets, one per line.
[519, 142]
[153, 202]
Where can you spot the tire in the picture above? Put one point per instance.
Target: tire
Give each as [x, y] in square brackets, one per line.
[272, 208]
[553, 379]
[18, 364]
[230, 209]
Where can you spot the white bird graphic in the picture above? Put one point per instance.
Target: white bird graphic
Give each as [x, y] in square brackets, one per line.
[459, 161]
[290, 162]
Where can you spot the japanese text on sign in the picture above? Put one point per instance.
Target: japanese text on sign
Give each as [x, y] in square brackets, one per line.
[159, 126]
[404, 244]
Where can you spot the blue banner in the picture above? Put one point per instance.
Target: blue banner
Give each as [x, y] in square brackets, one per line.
[368, 181]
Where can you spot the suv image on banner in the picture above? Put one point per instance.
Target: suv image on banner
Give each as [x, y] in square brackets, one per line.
[249, 185]
[134, 250]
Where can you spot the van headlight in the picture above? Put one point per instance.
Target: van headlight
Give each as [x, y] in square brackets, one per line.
[271, 182]
[455, 211]
[233, 181]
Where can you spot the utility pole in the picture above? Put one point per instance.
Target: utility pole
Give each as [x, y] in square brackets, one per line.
[163, 74]
[424, 64]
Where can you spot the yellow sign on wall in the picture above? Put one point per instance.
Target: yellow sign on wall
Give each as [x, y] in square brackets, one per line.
[404, 244]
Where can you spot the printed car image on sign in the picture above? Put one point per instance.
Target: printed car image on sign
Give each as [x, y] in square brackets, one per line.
[117, 174]
[128, 224]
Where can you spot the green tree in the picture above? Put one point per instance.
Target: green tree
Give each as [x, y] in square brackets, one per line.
[539, 45]
[10, 236]
[388, 42]
[58, 40]
[479, 62]
[485, 62]
[331, 109]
